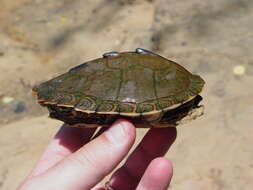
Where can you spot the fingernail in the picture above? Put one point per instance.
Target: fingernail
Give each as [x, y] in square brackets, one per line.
[117, 133]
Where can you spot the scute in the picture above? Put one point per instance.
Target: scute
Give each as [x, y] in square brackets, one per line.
[126, 107]
[86, 103]
[106, 106]
[145, 108]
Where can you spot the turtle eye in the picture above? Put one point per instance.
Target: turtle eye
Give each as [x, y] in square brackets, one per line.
[111, 54]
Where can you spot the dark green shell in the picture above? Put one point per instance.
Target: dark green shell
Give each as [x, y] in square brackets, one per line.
[128, 83]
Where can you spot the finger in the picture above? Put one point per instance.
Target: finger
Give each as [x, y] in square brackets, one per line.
[90, 164]
[157, 176]
[67, 140]
[155, 144]
[100, 131]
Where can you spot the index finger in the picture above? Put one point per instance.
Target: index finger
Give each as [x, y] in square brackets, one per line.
[155, 144]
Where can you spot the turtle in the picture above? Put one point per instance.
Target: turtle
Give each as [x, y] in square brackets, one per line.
[140, 86]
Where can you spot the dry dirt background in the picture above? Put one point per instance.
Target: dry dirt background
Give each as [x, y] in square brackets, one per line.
[42, 38]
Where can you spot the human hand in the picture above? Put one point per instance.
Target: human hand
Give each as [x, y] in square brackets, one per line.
[73, 161]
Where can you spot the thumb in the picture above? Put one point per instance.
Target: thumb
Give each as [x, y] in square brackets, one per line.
[91, 163]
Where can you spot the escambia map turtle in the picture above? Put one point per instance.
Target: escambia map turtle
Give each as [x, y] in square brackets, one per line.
[140, 86]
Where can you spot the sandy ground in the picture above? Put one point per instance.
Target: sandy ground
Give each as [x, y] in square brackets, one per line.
[40, 39]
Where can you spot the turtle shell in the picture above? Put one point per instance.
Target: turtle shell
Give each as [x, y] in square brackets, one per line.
[138, 85]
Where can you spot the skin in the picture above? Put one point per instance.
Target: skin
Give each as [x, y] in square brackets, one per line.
[74, 160]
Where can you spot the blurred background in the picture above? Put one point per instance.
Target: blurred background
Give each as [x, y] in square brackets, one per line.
[40, 39]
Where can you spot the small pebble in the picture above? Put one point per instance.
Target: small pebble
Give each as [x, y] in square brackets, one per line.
[63, 19]
[239, 70]
[7, 99]
[19, 107]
